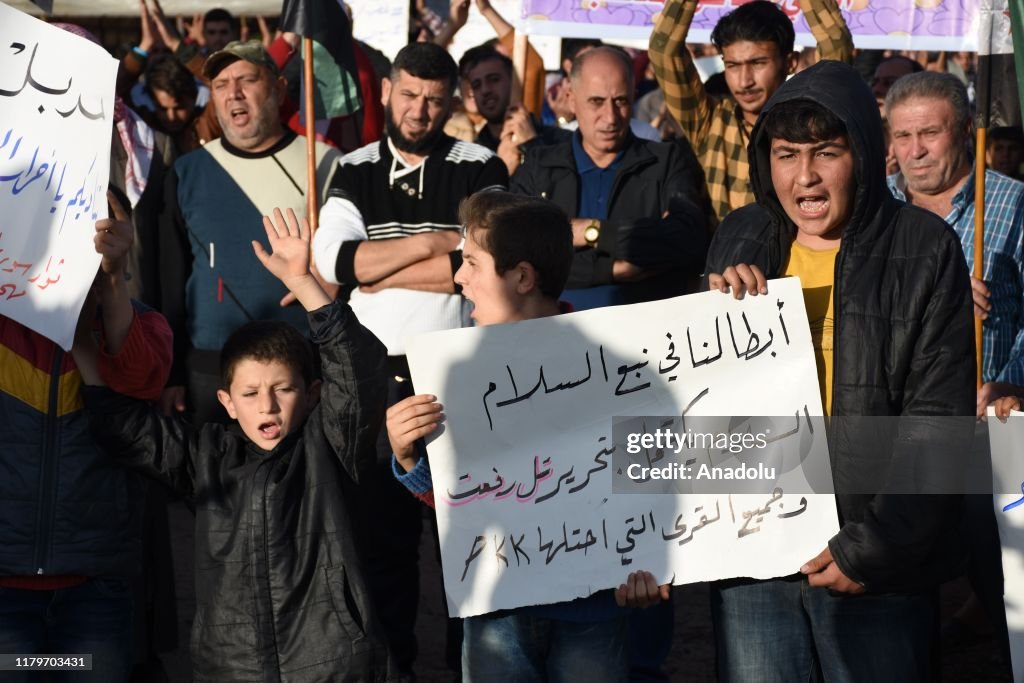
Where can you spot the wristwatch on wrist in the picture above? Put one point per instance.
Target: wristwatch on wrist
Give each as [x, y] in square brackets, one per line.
[592, 233]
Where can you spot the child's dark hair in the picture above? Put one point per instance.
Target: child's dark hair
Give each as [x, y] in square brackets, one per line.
[428, 62]
[475, 56]
[757, 21]
[267, 341]
[515, 228]
[802, 121]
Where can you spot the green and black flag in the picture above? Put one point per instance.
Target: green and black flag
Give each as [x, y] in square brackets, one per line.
[1000, 66]
[999, 104]
[334, 64]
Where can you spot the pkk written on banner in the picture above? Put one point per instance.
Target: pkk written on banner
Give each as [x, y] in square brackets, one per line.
[875, 24]
[56, 122]
[541, 499]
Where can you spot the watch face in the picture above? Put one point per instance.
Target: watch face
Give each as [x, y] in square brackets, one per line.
[591, 234]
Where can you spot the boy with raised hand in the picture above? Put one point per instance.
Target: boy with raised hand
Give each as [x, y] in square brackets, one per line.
[516, 258]
[279, 592]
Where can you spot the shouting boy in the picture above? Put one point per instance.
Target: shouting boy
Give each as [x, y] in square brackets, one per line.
[279, 594]
[889, 307]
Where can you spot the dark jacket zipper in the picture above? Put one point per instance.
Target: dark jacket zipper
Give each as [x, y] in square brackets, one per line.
[276, 675]
[830, 430]
[48, 469]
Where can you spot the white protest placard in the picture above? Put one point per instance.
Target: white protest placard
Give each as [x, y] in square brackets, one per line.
[478, 30]
[540, 500]
[56, 122]
[1007, 444]
[383, 24]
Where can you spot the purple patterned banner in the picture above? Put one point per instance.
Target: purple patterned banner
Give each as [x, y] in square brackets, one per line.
[893, 24]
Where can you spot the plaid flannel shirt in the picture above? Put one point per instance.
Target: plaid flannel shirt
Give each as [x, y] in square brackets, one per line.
[1003, 331]
[716, 129]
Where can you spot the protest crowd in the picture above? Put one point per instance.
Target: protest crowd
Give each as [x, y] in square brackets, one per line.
[242, 356]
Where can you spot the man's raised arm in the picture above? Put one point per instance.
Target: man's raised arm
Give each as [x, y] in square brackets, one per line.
[684, 92]
[829, 28]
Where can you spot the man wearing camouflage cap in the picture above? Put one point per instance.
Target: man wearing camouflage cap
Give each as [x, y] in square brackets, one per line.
[210, 281]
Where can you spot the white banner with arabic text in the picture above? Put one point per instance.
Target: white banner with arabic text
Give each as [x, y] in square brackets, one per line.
[536, 498]
[56, 122]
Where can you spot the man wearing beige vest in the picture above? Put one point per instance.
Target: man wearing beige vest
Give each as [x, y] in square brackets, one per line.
[210, 281]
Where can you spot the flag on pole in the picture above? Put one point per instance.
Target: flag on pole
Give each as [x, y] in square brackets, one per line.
[1017, 37]
[1000, 67]
[334, 63]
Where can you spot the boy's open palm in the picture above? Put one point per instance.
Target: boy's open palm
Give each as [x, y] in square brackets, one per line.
[289, 245]
[289, 258]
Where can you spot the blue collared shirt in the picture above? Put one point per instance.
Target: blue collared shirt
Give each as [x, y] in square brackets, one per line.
[1003, 330]
[595, 182]
[595, 194]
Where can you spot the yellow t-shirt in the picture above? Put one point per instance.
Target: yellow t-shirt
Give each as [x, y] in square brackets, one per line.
[816, 270]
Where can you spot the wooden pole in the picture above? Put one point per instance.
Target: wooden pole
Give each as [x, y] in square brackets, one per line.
[979, 234]
[309, 83]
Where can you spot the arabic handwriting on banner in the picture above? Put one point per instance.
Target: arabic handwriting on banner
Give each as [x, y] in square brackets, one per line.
[543, 485]
[56, 127]
[17, 279]
[64, 109]
[631, 376]
[543, 493]
[521, 492]
[84, 198]
[560, 540]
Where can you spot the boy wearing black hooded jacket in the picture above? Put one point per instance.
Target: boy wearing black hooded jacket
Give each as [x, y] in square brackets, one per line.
[889, 304]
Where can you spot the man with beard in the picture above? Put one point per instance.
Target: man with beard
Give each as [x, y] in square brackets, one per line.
[210, 282]
[389, 234]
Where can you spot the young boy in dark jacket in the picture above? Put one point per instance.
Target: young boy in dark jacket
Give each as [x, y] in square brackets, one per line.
[279, 592]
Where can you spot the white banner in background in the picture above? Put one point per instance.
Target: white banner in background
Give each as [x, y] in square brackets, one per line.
[382, 24]
[56, 123]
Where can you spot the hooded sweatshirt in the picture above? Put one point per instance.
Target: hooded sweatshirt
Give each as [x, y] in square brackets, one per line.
[903, 347]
